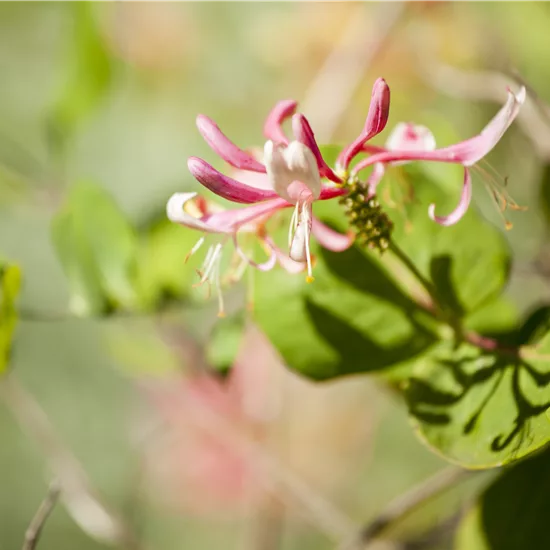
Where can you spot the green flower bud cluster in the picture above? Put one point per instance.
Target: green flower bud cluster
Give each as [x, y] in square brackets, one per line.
[372, 225]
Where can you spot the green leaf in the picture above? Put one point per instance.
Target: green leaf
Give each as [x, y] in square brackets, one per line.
[97, 248]
[482, 409]
[225, 341]
[468, 262]
[162, 270]
[352, 318]
[88, 73]
[512, 513]
[10, 284]
[359, 314]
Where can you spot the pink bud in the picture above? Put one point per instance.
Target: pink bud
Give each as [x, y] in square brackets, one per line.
[377, 118]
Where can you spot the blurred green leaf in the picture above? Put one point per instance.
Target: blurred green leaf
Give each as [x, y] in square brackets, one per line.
[10, 284]
[163, 272]
[88, 73]
[512, 513]
[139, 350]
[97, 248]
[225, 341]
[545, 193]
[482, 409]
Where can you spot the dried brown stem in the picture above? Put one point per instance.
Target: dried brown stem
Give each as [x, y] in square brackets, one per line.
[39, 520]
[405, 504]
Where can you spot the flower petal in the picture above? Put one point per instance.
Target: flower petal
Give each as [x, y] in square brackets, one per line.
[330, 239]
[304, 134]
[272, 127]
[265, 266]
[466, 152]
[407, 136]
[225, 186]
[377, 118]
[375, 177]
[328, 193]
[474, 149]
[292, 171]
[232, 220]
[176, 213]
[287, 263]
[225, 148]
[462, 207]
[299, 244]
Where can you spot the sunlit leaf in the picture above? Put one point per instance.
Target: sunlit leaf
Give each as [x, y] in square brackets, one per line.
[360, 314]
[10, 283]
[512, 513]
[469, 261]
[480, 408]
[97, 248]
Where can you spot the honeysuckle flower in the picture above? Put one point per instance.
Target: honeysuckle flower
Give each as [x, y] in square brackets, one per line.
[292, 174]
[195, 212]
[410, 142]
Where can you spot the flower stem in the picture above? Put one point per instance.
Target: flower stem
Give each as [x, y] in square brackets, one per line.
[426, 283]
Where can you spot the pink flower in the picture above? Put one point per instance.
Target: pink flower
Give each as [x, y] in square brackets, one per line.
[291, 175]
[409, 142]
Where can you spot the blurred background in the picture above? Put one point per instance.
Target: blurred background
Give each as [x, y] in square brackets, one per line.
[150, 453]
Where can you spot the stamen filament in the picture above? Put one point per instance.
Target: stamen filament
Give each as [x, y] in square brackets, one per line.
[196, 246]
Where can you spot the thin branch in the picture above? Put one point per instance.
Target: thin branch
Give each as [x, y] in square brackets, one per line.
[405, 504]
[83, 504]
[38, 521]
[409, 264]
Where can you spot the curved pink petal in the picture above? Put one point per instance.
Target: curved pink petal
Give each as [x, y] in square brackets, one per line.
[474, 149]
[462, 207]
[231, 220]
[377, 118]
[225, 186]
[225, 148]
[466, 152]
[328, 193]
[265, 266]
[375, 177]
[273, 124]
[330, 239]
[285, 261]
[304, 134]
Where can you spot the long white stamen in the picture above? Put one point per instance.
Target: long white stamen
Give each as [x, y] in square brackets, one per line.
[207, 259]
[307, 222]
[212, 260]
[221, 310]
[196, 246]
[293, 224]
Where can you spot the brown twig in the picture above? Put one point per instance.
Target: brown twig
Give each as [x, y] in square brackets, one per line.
[405, 504]
[39, 520]
[83, 504]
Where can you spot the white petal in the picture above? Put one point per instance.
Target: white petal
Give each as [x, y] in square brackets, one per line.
[176, 213]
